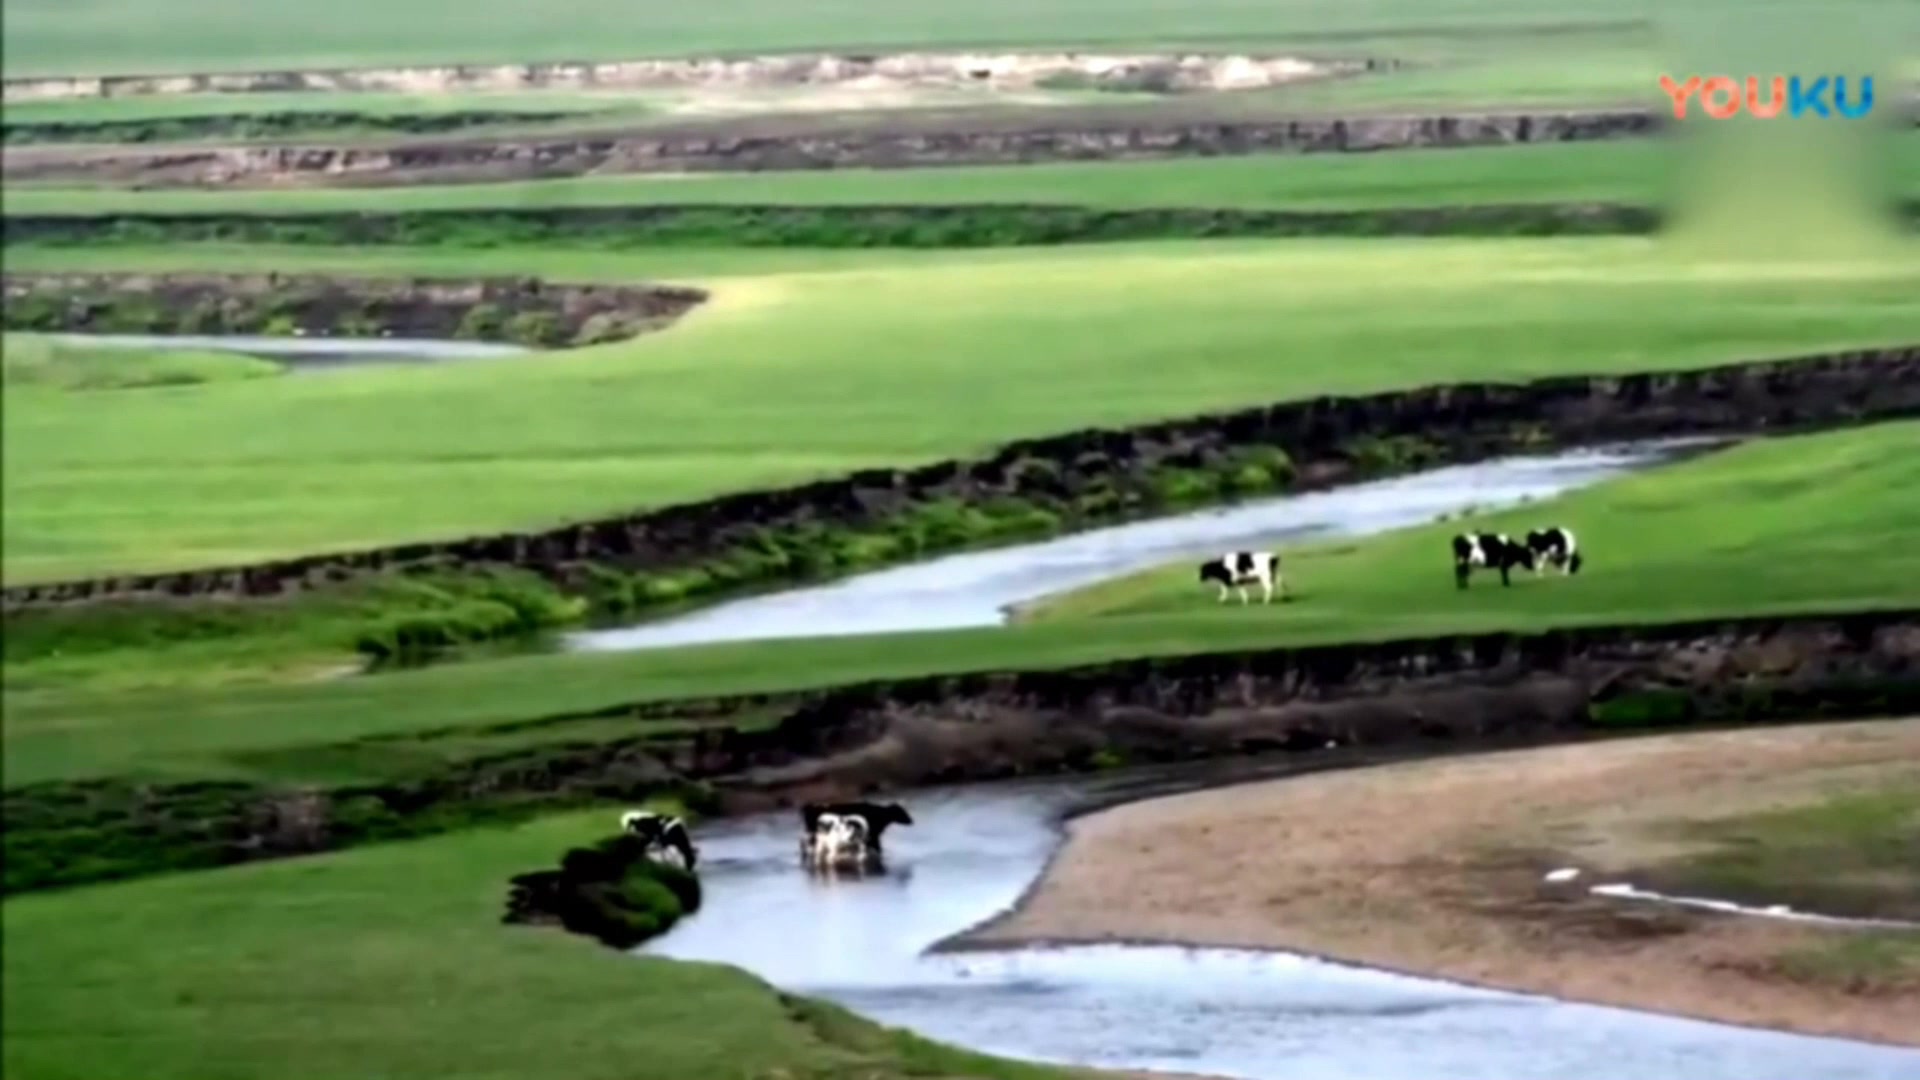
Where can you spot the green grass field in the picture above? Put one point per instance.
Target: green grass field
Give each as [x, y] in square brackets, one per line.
[390, 963]
[1739, 532]
[869, 362]
[35, 360]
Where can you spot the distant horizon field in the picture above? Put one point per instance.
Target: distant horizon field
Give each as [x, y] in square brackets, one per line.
[52, 37]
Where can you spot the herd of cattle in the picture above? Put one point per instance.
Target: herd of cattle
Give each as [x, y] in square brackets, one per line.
[1551, 547]
[834, 836]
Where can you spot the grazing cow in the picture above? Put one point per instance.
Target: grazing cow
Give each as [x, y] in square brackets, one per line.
[1488, 551]
[1554, 546]
[1238, 569]
[874, 818]
[661, 832]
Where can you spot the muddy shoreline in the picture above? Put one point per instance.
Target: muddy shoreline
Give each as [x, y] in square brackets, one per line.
[1473, 917]
[761, 752]
[802, 144]
[1067, 482]
[520, 311]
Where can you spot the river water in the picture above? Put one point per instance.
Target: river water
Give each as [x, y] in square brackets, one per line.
[978, 588]
[1232, 1013]
[313, 354]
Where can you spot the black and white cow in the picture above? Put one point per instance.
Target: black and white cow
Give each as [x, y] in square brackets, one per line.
[877, 817]
[1555, 546]
[839, 842]
[1488, 551]
[661, 831]
[1238, 569]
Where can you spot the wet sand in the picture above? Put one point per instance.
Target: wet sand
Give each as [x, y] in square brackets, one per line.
[1436, 868]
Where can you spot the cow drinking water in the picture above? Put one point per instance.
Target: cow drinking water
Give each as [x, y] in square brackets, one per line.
[1555, 546]
[662, 833]
[1488, 551]
[1238, 569]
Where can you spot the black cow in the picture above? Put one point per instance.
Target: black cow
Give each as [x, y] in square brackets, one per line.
[658, 830]
[877, 816]
[1238, 569]
[1488, 551]
[1555, 546]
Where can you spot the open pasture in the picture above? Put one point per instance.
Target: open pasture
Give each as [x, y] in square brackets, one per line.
[868, 364]
[1741, 532]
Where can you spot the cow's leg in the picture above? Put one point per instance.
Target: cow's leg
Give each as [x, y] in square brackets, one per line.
[1460, 572]
[1243, 593]
[1506, 569]
[1223, 594]
[1266, 588]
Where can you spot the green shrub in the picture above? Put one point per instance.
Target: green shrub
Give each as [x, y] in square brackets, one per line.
[535, 328]
[482, 322]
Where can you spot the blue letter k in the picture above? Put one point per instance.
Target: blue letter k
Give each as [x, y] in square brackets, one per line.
[1801, 99]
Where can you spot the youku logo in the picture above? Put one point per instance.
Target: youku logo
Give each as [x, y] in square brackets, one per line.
[1722, 96]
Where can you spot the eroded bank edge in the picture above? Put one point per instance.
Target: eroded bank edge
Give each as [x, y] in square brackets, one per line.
[929, 226]
[982, 141]
[1325, 702]
[523, 311]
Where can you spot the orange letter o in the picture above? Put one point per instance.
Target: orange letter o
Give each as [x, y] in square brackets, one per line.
[1720, 98]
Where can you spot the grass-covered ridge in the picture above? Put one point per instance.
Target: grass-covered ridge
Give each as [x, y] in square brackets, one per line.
[872, 363]
[1655, 542]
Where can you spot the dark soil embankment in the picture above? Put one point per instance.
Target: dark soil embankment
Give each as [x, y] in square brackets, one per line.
[1079, 479]
[953, 226]
[268, 125]
[901, 145]
[1414, 696]
[524, 311]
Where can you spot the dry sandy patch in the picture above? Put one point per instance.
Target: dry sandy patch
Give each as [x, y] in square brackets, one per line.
[1436, 867]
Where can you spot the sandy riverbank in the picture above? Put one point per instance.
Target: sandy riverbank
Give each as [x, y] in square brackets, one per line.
[1436, 867]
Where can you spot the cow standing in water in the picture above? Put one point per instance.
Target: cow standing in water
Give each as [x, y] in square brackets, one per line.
[1488, 551]
[1238, 569]
[1555, 546]
[874, 817]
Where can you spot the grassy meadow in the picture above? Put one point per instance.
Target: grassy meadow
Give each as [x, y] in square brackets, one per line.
[36, 360]
[390, 961]
[869, 364]
[1742, 531]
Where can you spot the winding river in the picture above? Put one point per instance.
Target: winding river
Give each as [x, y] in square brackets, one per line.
[982, 588]
[1219, 1012]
